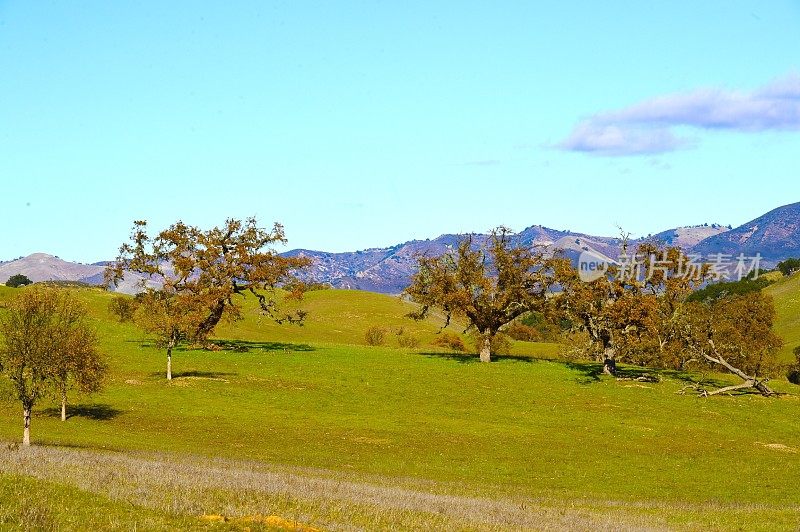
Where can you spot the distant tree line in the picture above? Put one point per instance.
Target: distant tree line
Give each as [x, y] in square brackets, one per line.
[789, 266]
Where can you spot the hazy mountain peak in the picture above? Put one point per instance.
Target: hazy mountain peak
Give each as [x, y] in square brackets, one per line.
[776, 235]
[44, 267]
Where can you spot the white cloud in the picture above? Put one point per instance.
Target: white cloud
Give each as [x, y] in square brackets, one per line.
[646, 127]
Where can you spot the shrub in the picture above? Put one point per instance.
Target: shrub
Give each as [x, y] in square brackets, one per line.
[123, 308]
[536, 327]
[794, 371]
[375, 335]
[450, 341]
[17, 280]
[406, 340]
[524, 333]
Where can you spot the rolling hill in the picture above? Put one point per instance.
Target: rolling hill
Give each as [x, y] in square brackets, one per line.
[305, 423]
[43, 267]
[786, 294]
[688, 237]
[776, 235]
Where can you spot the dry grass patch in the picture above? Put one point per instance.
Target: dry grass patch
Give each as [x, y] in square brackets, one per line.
[249, 493]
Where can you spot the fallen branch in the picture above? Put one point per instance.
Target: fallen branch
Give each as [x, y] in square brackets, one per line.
[749, 381]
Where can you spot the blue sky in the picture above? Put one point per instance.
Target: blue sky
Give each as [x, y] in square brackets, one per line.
[367, 124]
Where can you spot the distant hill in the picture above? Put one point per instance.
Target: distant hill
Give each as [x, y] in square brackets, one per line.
[44, 267]
[776, 235]
[40, 267]
[389, 270]
[689, 236]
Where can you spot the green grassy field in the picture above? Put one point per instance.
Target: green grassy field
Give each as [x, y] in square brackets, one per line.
[312, 405]
[786, 293]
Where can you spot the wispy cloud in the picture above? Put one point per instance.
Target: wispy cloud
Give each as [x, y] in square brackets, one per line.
[647, 127]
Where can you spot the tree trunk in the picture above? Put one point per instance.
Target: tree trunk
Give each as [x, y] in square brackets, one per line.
[208, 324]
[63, 405]
[26, 435]
[609, 362]
[486, 348]
[169, 363]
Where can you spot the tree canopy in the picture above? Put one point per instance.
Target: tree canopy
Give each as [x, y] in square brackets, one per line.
[208, 268]
[17, 280]
[659, 315]
[627, 313]
[47, 347]
[488, 285]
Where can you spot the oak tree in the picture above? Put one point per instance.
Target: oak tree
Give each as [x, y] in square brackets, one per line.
[662, 316]
[212, 267]
[488, 285]
[17, 280]
[628, 313]
[734, 334]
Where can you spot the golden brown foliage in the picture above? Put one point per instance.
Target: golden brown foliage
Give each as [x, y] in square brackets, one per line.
[650, 319]
[629, 313]
[489, 286]
[122, 307]
[450, 341]
[48, 347]
[211, 267]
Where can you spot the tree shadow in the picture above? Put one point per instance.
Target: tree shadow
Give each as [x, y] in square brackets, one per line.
[593, 372]
[196, 374]
[243, 346]
[237, 346]
[97, 412]
[472, 358]
[590, 371]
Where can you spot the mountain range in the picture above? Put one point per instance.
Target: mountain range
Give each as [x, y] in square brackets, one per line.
[775, 235]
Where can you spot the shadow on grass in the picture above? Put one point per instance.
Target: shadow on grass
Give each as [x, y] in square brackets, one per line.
[243, 346]
[237, 346]
[196, 374]
[593, 372]
[471, 358]
[97, 412]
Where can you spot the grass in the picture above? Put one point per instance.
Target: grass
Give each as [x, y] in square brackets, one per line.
[786, 293]
[310, 402]
[32, 504]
